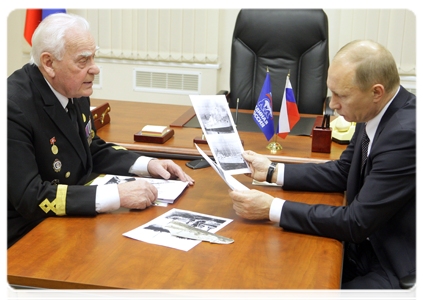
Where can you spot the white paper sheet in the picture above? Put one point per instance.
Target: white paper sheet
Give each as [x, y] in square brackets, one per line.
[168, 190]
[219, 129]
[230, 181]
[154, 232]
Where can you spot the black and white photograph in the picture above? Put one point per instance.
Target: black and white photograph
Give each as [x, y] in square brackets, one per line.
[154, 232]
[228, 154]
[214, 116]
[220, 131]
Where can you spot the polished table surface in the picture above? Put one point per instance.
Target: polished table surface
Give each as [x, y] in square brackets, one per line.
[128, 118]
[91, 252]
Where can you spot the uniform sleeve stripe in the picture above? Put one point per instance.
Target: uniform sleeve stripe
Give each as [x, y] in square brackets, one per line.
[61, 199]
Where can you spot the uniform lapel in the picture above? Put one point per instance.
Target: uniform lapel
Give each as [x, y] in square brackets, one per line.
[58, 115]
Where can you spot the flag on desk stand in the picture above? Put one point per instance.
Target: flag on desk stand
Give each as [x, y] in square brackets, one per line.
[263, 113]
[289, 115]
[34, 17]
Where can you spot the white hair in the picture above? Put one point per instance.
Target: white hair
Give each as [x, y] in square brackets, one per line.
[50, 35]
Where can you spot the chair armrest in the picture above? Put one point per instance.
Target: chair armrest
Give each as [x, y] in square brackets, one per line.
[407, 282]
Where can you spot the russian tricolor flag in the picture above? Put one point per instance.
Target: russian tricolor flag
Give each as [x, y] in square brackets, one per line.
[289, 114]
[34, 17]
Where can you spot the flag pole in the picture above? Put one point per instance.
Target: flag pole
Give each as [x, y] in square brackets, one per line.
[274, 146]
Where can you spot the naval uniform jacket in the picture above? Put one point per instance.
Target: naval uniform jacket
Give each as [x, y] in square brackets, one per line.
[381, 203]
[48, 160]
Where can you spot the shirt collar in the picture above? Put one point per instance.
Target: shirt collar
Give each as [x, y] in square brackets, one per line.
[372, 125]
[62, 99]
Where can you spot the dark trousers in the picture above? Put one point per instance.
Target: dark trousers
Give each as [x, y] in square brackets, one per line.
[362, 269]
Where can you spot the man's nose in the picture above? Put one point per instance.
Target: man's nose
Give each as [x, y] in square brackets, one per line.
[94, 69]
[333, 104]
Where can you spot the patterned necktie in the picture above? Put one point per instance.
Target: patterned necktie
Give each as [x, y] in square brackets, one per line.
[72, 114]
[364, 148]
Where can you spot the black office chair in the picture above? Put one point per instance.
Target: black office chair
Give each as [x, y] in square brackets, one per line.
[282, 40]
[407, 282]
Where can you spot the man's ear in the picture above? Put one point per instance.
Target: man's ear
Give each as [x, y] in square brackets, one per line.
[378, 92]
[46, 60]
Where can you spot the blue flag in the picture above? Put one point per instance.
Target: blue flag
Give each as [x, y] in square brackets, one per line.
[49, 11]
[263, 113]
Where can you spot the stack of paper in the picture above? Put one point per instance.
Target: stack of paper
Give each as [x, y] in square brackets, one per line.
[168, 190]
[154, 130]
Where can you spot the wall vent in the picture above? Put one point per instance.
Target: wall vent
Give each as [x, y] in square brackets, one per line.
[155, 81]
[98, 80]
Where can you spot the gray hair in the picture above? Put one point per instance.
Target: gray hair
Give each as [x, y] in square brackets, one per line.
[50, 35]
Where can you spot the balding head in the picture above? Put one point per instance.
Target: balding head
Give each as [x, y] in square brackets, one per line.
[373, 64]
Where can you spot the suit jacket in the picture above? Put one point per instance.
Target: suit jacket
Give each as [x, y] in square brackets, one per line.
[381, 205]
[48, 160]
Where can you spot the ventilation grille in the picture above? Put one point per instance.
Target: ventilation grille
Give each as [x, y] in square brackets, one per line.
[167, 81]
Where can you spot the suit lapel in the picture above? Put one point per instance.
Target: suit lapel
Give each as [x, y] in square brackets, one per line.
[58, 115]
[354, 176]
[355, 185]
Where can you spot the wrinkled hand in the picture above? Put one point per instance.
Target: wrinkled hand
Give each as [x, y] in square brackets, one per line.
[259, 165]
[167, 169]
[252, 204]
[138, 194]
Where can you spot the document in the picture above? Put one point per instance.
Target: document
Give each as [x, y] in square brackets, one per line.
[230, 181]
[168, 190]
[219, 129]
[157, 231]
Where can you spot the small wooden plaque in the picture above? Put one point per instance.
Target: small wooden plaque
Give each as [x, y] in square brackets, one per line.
[139, 137]
[321, 139]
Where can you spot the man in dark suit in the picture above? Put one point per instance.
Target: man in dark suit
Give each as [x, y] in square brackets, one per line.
[53, 147]
[379, 222]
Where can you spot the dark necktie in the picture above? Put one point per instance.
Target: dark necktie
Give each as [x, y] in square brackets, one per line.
[364, 148]
[72, 114]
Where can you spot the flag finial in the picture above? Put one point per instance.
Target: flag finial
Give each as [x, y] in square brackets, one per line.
[289, 73]
[267, 69]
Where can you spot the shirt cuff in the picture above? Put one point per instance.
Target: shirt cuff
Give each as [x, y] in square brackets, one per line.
[107, 198]
[275, 211]
[281, 174]
[140, 166]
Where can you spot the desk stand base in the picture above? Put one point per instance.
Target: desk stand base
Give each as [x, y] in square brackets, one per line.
[200, 140]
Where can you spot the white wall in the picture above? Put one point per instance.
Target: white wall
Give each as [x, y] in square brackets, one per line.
[396, 29]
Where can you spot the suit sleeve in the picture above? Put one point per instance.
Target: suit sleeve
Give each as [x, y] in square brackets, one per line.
[30, 195]
[388, 188]
[109, 158]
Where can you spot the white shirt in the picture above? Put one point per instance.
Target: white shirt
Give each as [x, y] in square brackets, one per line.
[107, 196]
[371, 127]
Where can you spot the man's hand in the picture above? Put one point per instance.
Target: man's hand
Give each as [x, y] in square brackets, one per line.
[259, 165]
[252, 204]
[167, 169]
[138, 194]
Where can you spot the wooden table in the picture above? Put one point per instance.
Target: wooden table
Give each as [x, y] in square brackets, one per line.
[92, 253]
[128, 118]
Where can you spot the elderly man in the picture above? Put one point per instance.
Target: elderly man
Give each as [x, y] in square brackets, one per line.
[52, 143]
[379, 222]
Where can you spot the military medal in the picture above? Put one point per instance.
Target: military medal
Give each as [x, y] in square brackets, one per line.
[89, 132]
[84, 118]
[54, 148]
[57, 165]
